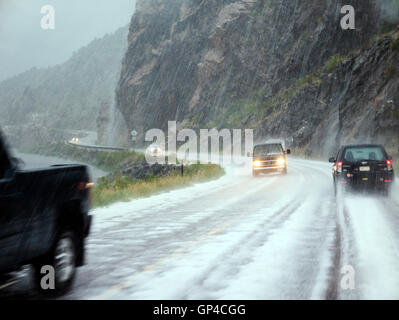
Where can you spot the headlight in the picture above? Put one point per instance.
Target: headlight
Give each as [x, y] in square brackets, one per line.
[256, 163]
[281, 162]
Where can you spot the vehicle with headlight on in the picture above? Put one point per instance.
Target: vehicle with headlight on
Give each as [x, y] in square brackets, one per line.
[362, 167]
[155, 151]
[269, 157]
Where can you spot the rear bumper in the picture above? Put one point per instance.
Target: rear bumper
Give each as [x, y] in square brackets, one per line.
[367, 182]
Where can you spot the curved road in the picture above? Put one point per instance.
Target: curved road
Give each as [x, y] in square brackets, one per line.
[273, 237]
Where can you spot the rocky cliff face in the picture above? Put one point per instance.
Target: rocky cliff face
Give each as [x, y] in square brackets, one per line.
[284, 68]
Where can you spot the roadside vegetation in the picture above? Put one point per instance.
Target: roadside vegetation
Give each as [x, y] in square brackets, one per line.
[122, 188]
[118, 187]
[335, 61]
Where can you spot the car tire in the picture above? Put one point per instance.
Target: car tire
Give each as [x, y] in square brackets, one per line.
[255, 174]
[285, 172]
[62, 257]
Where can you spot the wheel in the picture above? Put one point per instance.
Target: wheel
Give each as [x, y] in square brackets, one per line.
[285, 171]
[62, 258]
[255, 173]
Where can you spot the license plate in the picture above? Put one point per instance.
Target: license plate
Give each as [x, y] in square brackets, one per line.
[363, 169]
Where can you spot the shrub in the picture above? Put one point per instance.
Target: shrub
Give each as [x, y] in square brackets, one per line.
[395, 45]
[335, 61]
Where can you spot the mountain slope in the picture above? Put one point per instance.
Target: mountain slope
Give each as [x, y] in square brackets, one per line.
[67, 95]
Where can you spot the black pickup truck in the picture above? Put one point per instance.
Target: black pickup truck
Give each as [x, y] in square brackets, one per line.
[44, 219]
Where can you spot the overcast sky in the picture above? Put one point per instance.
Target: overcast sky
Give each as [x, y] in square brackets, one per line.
[24, 44]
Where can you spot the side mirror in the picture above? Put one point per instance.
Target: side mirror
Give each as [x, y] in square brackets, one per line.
[331, 160]
[288, 151]
[249, 155]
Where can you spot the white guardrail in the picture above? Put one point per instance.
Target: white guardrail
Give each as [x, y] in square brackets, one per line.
[186, 161]
[85, 146]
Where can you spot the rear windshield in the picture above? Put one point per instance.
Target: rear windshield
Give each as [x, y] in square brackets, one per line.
[355, 154]
[267, 149]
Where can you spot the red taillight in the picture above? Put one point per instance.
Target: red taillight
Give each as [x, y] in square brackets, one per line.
[339, 164]
[388, 181]
[81, 186]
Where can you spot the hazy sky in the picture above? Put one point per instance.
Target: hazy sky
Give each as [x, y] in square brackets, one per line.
[24, 44]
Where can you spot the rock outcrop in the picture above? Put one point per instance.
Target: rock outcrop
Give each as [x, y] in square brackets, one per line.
[142, 170]
[284, 68]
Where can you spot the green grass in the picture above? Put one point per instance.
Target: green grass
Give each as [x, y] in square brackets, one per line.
[335, 61]
[122, 188]
[237, 112]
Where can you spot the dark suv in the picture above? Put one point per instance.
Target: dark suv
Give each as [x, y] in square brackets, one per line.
[269, 157]
[363, 167]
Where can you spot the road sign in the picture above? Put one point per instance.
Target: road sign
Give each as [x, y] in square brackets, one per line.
[134, 135]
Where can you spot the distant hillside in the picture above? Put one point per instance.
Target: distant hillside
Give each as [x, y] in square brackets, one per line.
[68, 95]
